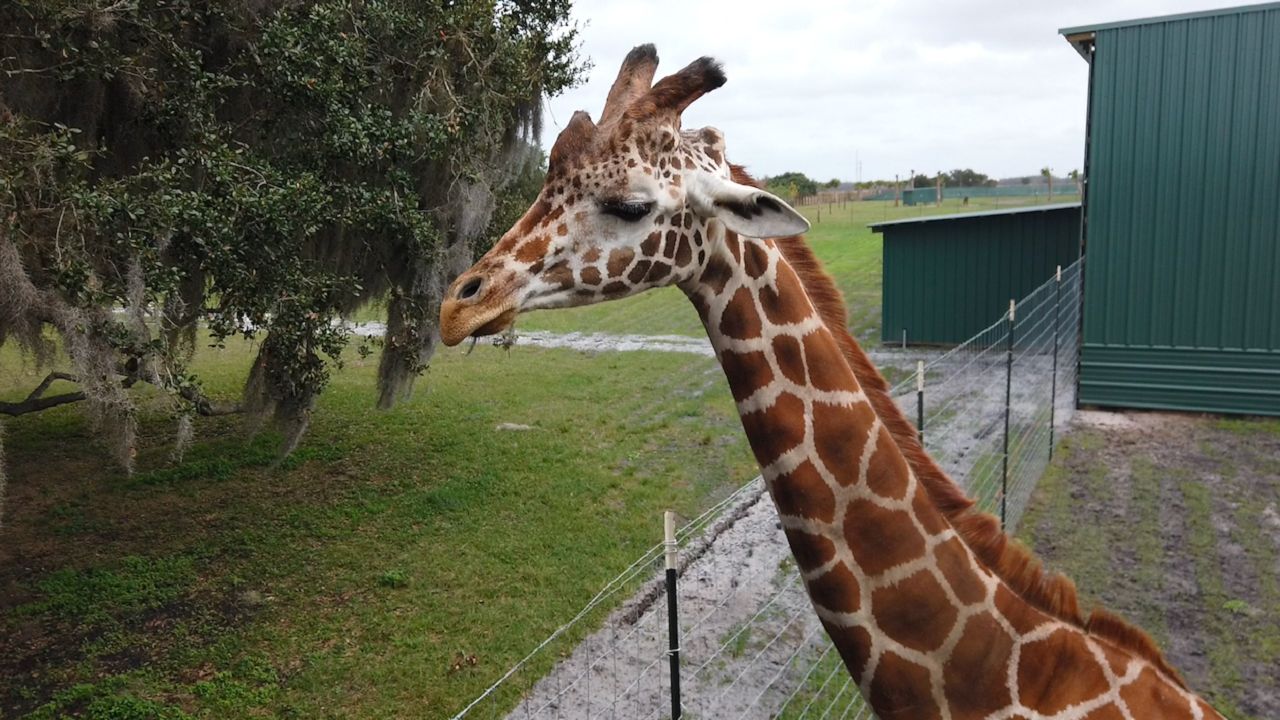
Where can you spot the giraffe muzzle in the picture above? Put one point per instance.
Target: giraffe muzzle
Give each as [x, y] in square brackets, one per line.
[472, 308]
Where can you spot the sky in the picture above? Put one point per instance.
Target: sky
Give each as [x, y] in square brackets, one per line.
[817, 86]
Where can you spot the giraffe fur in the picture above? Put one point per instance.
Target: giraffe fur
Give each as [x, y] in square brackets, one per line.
[934, 612]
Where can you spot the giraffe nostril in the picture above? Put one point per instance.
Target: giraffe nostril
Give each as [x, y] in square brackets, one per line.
[470, 288]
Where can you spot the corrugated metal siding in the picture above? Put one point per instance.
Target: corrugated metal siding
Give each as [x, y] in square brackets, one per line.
[1184, 216]
[945, 280]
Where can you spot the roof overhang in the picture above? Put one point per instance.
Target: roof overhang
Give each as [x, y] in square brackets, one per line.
[1055, 207]
[1083, 43]
[1082, 37]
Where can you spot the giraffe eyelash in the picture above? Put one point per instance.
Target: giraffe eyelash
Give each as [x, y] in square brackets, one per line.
[624, 210]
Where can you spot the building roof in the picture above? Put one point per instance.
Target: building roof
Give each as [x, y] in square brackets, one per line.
[879, 226]
[1081, 36]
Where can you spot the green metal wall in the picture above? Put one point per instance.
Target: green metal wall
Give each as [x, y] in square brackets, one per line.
[946, 279]
[1182, 292]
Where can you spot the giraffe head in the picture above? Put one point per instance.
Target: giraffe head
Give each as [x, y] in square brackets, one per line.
[629, 204]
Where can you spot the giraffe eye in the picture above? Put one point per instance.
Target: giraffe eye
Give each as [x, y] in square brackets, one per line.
[629, 211]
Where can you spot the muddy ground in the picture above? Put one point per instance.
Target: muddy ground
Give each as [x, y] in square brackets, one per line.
[1173, 520]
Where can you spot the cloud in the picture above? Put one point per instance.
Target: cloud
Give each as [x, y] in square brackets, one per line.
[987, 84]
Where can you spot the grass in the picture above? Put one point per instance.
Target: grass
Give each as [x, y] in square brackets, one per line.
[344, 580]
[347, 580]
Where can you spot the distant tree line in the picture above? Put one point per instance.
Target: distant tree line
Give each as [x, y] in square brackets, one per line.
[966, 177]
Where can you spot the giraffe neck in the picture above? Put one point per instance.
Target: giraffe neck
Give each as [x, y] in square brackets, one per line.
[886, 574]
[921, 626]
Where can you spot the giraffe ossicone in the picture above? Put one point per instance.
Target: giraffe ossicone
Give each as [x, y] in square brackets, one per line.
[932, 612]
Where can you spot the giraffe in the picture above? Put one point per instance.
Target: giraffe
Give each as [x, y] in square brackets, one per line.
[934, 612]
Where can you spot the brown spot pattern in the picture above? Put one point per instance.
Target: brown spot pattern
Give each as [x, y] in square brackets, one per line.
[827, 369]
[769, 430]
[649, 247]
[751, 370]
[533, 249]
[1106, 712]
[787, 351]
[1149, 697]
[953, 562]
[872, 548]
[638, 271]
[927, 513]
[854, 646]
[785, 303]
[915, 612]
[887, 476]
[682, 252]
[803, 493]
[657, 272]
[836, 590]
[895, 690]
[1021, 616]
[716, 275]
[811, 551]
[974, 678]
[1068, 655]
[840, 434]
[740, 319]
[559, 275]
[755, 260]
[619, 260]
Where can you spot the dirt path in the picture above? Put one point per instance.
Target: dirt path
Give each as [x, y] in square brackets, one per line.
[744, 621]
[1174, 521]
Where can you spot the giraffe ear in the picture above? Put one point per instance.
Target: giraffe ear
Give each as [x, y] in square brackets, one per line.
[745, 210]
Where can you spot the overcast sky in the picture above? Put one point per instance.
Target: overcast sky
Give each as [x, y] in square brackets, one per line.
[926, 85]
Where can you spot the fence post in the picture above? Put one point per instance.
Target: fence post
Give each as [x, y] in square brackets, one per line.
[920, 400]
[1008, 393]
[1053, 385]
[673, 617]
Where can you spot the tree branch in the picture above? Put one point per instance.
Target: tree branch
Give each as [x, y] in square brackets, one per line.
[36, 401]
[37, 404]
[49, 380]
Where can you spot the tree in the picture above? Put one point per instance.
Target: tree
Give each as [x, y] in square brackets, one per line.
[1047, 173]
[258, 169]
[968, 177]
[792, 185]
[832, 184]
[921, 181]
[1075, 178]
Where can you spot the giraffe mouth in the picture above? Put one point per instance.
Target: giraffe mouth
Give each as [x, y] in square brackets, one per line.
[459, 322]
[501, 323]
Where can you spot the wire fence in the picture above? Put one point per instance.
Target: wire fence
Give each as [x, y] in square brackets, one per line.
[745, 642]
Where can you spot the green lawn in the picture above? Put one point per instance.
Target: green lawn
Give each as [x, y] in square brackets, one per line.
[345, 581]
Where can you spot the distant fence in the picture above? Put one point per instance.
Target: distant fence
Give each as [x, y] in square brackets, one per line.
[745, 641]
[950, 192]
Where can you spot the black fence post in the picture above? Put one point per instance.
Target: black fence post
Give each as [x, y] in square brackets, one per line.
[1008, 399]
[1053, 391]
[920, 400]
[673, 617]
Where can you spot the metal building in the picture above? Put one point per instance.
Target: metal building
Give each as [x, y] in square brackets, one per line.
[948, 276]
[1182, 212]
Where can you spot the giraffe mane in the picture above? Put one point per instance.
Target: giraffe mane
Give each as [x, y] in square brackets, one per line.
[1011, 561]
